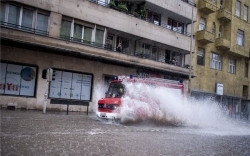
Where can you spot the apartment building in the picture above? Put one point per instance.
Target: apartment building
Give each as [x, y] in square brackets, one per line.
[221, 58]
[88, 42]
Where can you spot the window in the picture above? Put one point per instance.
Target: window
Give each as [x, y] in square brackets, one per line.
[65, 29]
[153, 17]
[28, 19]
[42, 23]
[220, 32]
[231, 66]
[71, 85]
[146, 50]
[13, 17]
[213, 1]
[78, 32]
[246, 69]
[245, 16]
[110, 42]
[18, 79]
[175, 25]
[238, 4]
[245, 91]
[221, 4]
[154, 53]
[99, 36]
[124, 43]
[213, 28]
[240, 37]
[202, 25]
[215, 61]
[3, 12]
[87, 34]
[200, 56]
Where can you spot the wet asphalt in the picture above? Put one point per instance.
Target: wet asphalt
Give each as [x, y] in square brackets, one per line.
[32, 133]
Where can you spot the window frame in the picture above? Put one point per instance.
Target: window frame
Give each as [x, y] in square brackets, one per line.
[20, 86]
[246, 68]
[213, 30]
[240, 35]
[202, 24]
[245, 13]
[60, 78]
[238, 8]
[20, 14]
[222, 3]
[85, 26]
[232, 65]
[215, 61]
[176, 28]
[220, 32]
[151, 17]
[201, 55]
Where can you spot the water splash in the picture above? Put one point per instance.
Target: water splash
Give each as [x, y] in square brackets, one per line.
[166, 105]
[99, 92]
[144, 103]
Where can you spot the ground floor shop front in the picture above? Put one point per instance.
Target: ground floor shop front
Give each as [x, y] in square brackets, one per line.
[74, 77]
[236, 107]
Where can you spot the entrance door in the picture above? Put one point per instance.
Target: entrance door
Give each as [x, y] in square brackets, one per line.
[245, 109]
[110, 42]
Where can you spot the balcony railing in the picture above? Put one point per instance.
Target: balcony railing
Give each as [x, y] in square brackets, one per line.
[94, 44]
[23, 28]
[222, 43]
[204, 36]
[206, 6]
[123, 51]
[224, 15]
[134, 14]
[189, 2]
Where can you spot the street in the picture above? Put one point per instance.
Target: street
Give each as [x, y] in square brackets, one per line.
[30, 133]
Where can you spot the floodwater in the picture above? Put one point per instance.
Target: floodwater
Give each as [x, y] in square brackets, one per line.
[32, 133]
[171, 126]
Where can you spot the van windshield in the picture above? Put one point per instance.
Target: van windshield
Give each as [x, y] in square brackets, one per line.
[116, 90]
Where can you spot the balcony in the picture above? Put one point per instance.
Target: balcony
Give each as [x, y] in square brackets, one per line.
[206, 7]
[224, 15]
[222, 43]
[204, 36]
[140, 14]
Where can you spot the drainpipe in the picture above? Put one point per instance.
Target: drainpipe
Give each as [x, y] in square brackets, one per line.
[190, 61]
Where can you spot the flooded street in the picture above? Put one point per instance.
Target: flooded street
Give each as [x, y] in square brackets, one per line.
[30, 133]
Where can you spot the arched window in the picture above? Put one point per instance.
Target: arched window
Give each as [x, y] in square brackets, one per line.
[202, 25]
[213, 28]
[221, 4]
[220, 32]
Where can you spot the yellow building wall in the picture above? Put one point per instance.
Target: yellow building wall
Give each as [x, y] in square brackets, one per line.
[206, 78]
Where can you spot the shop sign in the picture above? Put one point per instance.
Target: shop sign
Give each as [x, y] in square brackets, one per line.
[17, 79]
[219, 88]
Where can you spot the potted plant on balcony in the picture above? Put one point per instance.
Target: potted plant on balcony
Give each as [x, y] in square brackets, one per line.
[141, 11]
[123, 7]
[112, 4]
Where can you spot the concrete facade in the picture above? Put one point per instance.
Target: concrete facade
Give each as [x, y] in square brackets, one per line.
[47, 60]
[24, 46]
